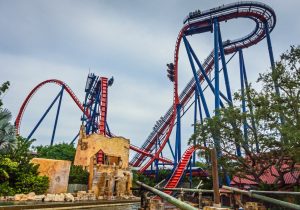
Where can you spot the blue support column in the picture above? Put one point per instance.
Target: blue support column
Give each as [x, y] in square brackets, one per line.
[243, 95]
[216, 64]
[250, 105]
[44, 115]
[156, 161]
[195, 122]
[74, 139]
[178, 135]
[170, 147]
[204, 73]
[191, 175]
[271, 55]
[224, 65]
[198, 84]
[57, 114]
[217, 82]
[108, 130]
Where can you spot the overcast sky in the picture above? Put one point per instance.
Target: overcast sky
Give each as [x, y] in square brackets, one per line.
[131, 40]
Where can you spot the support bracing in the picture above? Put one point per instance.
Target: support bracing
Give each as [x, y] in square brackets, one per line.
[195, 124]
[198, 84]
[253, 124]
[178, 135]
[43, 116]
[57, 114]
[245, 129]
[224, 65]
[270, 49]
[204, 74]
[217, 82]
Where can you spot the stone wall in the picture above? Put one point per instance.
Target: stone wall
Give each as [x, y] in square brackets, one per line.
[88, 146]
[57, 171]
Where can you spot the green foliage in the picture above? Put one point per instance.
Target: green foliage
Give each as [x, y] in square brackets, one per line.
[21, 175]
[273, 123]
[7, 166]
[61, 151]
[150, 180]
[3, 88]
[64, 151]
[142, 178]
[7, 131]
[78, 175]
[27, 183]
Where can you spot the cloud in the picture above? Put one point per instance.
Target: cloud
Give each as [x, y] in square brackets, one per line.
[130, 40]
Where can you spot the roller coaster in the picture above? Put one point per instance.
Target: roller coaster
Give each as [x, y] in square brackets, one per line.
[206, 75]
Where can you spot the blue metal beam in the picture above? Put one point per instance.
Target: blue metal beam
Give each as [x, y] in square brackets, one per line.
[195, 126]
[216, 64]
[203, 72]
[243, 95]
[44, 115]
[250, 105]
[198, 84]
[170, 147]
[57, 114]
[178, 135]
[271, 55]
[224, 65]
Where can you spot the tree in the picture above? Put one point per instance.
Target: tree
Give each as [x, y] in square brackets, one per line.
[7, 130]
[3, 88]
[272, 123]
[64, 151]
[19, 175]
[61, 151]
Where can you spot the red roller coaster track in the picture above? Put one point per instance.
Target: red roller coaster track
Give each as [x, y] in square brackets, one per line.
[35, 89]
[80, 106]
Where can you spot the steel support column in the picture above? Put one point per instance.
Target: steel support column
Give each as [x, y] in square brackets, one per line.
[198, 84]
[57, 114]
[217, 82]
[178, 135]
[224, 65]
[243, 96]
[195, 124]
[44, 115]
[271, 55]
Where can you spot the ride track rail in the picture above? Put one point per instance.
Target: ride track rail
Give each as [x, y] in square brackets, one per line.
[264, 18]
[80, 106]
[35, 89]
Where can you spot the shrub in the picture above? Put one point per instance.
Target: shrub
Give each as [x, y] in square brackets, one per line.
[78, 175]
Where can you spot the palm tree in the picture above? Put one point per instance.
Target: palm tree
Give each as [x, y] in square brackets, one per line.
[7, 131]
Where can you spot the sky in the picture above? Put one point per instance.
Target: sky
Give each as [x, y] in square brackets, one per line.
[131, 40]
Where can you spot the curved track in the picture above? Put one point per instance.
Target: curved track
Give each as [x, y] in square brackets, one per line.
[79, 105]
[260, 13]
[35, 89]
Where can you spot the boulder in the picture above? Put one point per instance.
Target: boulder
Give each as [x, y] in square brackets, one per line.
[59, 197]
[69, 197]
[49, 197]
[39, 197]
[20, 197]
[31, 196]
[10, 198]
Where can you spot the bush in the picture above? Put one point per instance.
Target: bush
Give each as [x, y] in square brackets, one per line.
[78, 175]
[62, 151]
[17, 174]
[27, 183]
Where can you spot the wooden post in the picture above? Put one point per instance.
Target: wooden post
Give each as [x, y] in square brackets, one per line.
[200, 199]
[215, 177]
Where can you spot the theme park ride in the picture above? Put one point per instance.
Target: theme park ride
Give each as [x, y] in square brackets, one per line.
[206, 74]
